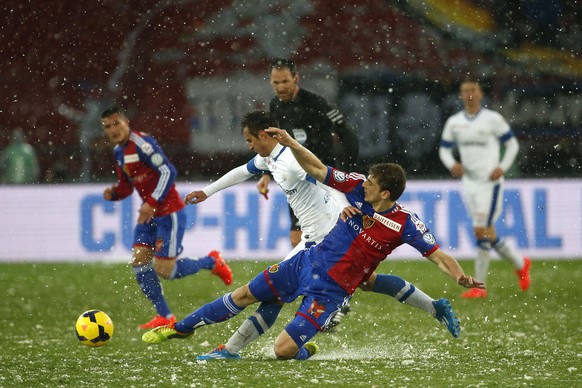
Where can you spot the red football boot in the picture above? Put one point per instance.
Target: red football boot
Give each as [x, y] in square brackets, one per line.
[523, 274]
[221, 269]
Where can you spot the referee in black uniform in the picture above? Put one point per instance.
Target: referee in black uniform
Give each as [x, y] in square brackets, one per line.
[311, 120]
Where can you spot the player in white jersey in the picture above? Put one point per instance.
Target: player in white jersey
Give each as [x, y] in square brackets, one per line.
[478, 133]
[318, 213]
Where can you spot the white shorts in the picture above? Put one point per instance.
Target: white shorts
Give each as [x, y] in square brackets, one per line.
[483, 200]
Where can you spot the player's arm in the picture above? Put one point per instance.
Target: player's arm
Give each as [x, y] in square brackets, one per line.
[511, 149]
[446, 153]
[263, 185]
[231, 178]
[151, 154]
[340, 198]
[122, 189]
[306, 159]
[451, 267]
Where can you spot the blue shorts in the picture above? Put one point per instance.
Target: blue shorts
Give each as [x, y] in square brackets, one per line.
[163, 233]
[289, 279]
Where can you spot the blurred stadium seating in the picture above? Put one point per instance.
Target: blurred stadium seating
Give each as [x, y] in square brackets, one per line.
[65, 61]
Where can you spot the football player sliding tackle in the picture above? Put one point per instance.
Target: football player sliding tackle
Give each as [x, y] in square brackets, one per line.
[327, 274]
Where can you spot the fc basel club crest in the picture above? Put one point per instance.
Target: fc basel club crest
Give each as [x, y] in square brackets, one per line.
[368, 222]
[316, 309]
[274, 268]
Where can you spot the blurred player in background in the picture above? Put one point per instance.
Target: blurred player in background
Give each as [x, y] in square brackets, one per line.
[312, 121]
[478, 133]
[327, 274]
[313, 204]
[142, 165]
[18, 161]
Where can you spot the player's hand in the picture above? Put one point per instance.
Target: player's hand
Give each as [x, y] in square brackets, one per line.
[349, 211]
[281, 135]
[457, 170]
[108, 194]
[195, 197]
[470, 282]
[496, 174]
[263, 185]
[146, 213]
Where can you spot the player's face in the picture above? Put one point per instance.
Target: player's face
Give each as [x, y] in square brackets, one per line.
[116, 128]
[471, 94]
[372, 193]
[260, 146]
[284, 84]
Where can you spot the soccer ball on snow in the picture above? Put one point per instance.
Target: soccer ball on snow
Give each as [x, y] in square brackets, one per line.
[94, 328]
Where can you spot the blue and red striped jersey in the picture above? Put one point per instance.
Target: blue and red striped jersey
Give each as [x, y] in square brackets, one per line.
[353, 249]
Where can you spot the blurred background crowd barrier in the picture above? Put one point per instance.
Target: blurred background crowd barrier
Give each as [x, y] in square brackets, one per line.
[187, 70]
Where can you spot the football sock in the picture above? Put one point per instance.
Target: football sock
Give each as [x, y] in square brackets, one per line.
[220, 310]
[254, 326]
[302, 354]
[186, 266]
[404, 292]
[507, 252]
[150, 285]
[482, 261]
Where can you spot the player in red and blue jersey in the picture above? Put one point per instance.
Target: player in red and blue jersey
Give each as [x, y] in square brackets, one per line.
[141, 165]
[327, 274]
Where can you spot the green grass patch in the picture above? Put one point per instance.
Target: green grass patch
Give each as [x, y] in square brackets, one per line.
[511, 339]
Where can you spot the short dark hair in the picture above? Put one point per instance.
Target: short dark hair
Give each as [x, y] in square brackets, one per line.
[258, 120]
[114, 109]
[282, 63]
[391, 177]
[472, 80]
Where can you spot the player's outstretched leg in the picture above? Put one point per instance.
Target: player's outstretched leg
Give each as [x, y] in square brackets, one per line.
[252, 328]
[445, 315]
[219, 310]
[403, 291]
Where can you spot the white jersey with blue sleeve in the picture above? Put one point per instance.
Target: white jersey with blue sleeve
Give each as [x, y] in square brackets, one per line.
[478, 138]
[313, 206]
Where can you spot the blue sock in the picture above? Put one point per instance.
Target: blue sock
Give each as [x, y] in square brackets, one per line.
[269, 312]
[393, 286]
[186, 266]
[220, 310]
[302, 354]
[150, 285]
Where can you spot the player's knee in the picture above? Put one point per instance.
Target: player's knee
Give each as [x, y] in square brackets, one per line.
[165, 268]
[285, 348]
[163, 274]
[365, 286]
[142, 256]
[243, 297]
[368, 285]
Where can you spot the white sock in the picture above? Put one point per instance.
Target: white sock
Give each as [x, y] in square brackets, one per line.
[482, 265]
[421, 300]
[245, 334]
[507, 252]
